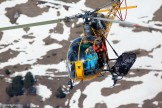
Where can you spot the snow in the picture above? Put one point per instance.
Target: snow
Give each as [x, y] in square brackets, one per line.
[1, 75]
[143, 12]
[74, 8]
[48, 106]
[41, 70]
[67, 101]
[75, 99]
[50, 78]
[155, 102]
[33, 105]
[44, 92]
[3, 5]
[26, 55]
[9, 80]
[136, 94]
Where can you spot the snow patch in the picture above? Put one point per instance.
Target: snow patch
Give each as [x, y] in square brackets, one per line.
[48, 106]
[155, 103]
[74, 101]
[9, 80]
[66, 103]
[44, 92]
[41, 70]
[34, 106]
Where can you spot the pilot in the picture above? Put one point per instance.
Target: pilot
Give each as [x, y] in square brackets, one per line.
[85, 44]
[91, 58]
[100, 49]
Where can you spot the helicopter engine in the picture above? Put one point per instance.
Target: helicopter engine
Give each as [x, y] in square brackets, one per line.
[98, 24]
[92, 25]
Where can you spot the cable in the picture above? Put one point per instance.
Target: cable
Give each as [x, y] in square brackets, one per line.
[120, 14]
[126, 10]
[112, 47]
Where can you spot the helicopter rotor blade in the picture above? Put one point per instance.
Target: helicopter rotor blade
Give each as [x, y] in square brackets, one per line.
[126, 23]
[31, 24]
[41, 23]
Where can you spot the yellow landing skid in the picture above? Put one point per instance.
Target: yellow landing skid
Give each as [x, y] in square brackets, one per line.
[122, 8]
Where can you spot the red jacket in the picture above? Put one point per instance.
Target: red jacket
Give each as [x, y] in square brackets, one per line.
[98, 49]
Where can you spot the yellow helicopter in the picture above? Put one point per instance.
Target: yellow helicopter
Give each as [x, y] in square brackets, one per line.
[87, 56]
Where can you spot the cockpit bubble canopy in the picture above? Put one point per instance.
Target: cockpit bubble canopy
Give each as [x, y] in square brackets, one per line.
[81, 52]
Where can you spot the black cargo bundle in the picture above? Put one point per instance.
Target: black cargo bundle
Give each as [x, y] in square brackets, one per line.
[124, 63]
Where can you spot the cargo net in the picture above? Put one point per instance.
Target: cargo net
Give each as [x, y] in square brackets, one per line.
[123, 64]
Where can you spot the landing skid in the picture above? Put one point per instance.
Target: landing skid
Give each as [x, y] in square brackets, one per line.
[71, 84]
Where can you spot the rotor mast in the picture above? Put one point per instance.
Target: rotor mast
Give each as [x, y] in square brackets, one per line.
[111, 15]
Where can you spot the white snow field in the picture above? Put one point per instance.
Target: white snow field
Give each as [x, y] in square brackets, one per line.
[128, 41]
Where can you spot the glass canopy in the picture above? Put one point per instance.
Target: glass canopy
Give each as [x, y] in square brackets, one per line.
[81, 49]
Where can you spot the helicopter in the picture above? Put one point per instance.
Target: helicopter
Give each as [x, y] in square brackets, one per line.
[96, 27]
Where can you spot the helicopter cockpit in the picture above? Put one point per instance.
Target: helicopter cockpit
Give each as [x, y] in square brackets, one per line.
[82, 60]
